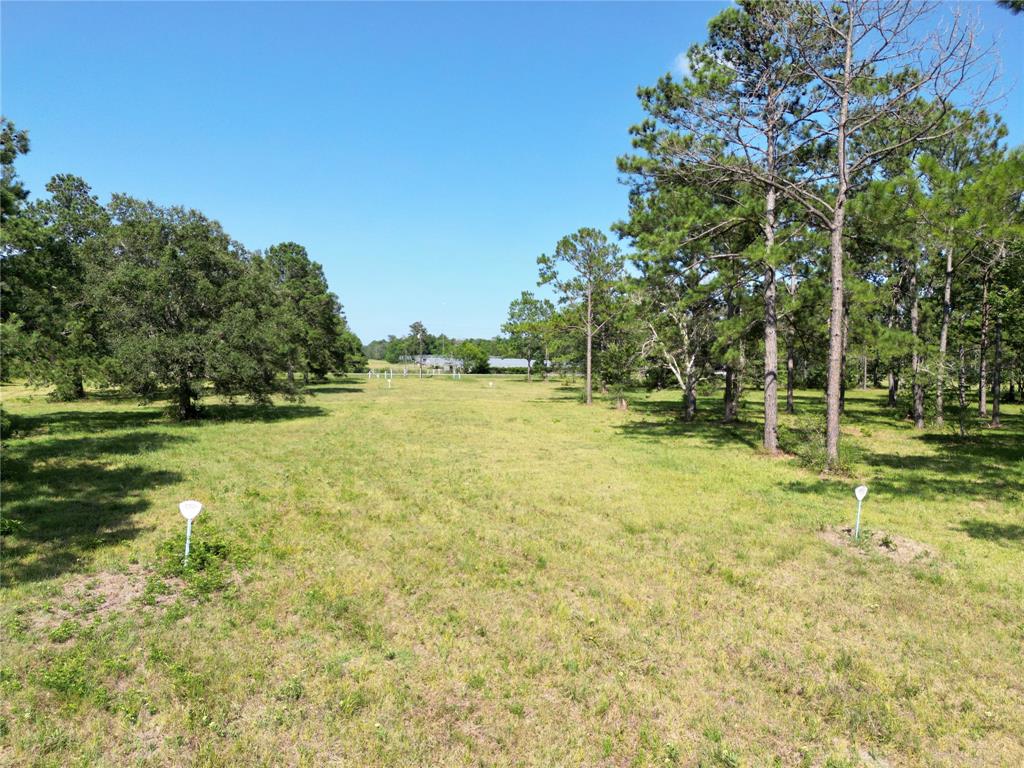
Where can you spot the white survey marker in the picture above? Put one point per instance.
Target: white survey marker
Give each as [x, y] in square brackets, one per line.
[189, 510]
[860, 492]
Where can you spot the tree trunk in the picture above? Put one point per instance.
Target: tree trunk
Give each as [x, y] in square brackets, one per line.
[729, 379]
[835, 332]
[961, 383]
[731, 383]
[983, 349]
[590, 342]
[771, 338]
[690, 410]
[529, 370]
[846, 341]
[835, 338]
[733, 389]
[947, 307]
[790, 347]
[894, 376]
[771, 359]
[186, 405]
[997, 371]
[790, 376]
[737, 387]
[918, 385]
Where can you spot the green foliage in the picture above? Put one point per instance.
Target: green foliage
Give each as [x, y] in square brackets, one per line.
[13, 142]
[804, 437]
[212, 559]
[473, 357]
[529, 328]
[6, 424]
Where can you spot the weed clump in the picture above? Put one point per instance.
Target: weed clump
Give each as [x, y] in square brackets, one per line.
[212, 558]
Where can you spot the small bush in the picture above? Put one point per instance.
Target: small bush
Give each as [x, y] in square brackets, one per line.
[805, 439]
[8, 525]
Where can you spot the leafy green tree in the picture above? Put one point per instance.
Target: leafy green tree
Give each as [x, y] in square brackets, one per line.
[620, 352]
[20, 238]
[587, 271]
[878, 86]
[348, 355]
[473, 357]
[526, 325]
[12, 192]
[945, 172]
[734, 123]
[183, 305]
[306, 321]
[46, 288]
[418, 340]
[996, 213]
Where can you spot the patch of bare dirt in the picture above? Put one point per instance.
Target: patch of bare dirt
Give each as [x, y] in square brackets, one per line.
[100, 594]
[897, 548]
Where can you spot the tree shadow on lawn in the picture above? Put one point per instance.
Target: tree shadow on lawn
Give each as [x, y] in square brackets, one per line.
[93, 421]
[668, 423]
[1003, 533]
[246, 412]
[55, 422]
[986, 466]
[989, 465]
[315, 390]
[65, 501]
[64, 496]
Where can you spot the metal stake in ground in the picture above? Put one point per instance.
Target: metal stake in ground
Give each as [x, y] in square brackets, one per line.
[189, 509]
[860, 492]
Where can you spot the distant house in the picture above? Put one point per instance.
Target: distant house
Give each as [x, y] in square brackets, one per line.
[438, 362]
[508, 362]
[451, 364]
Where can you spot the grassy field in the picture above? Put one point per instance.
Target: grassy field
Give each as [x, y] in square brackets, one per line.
[485, 572]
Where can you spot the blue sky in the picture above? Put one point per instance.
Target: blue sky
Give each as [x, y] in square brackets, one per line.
[425, 154]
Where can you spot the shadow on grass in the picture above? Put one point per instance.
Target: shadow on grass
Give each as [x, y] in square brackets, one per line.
[226, 412]
[987, 465]
[65, 501]
[999, 532]
[94, 421]
[668, 422]
[85, 421]
[313, 391]
[70, 486]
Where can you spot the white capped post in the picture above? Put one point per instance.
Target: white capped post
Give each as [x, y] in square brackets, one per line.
[860, 492]
[189, 509]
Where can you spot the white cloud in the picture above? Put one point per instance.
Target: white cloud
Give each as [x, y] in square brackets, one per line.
[681, 65]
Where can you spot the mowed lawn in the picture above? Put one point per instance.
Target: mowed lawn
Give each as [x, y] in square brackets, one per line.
[485, 572]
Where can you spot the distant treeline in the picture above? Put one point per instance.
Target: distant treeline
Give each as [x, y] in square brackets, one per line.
[419, 341]
[155, 299]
